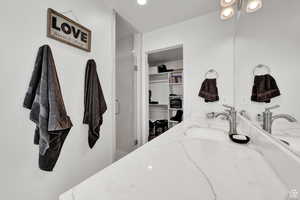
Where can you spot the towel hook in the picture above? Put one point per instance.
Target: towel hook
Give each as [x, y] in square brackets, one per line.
[212, 71]
[260, 66]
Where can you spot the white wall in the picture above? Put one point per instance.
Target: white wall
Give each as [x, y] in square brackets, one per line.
[23, 30]
[271, 37]
[207, 43]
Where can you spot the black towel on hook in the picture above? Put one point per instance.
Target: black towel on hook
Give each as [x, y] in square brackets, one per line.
[48, 112]
[94, 103]
[209, 90]
[264, 89]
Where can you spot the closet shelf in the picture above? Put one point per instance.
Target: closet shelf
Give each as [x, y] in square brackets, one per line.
[176, 96]
[159, 81]
[166, 73]
[175, 109]
[159, 105]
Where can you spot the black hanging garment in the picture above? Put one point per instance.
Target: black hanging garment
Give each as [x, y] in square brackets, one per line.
[48, 112]
[94, 103]
[178, 116]
[209, 90]
[264, 89]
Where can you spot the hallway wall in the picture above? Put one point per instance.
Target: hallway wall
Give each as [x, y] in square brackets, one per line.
[23, 30]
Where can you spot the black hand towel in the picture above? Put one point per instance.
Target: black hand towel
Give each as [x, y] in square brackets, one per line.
[48, 112]
[264, 89]
[209, 90]
[94, 102]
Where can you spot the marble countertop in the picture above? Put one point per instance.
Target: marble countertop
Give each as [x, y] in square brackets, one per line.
[194, 160]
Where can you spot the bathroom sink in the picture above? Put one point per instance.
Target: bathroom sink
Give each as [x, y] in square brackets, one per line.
[206, 133]
[288, 133]
[293, 142]
[286, 128]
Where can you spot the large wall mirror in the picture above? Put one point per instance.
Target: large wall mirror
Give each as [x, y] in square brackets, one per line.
[268, 63]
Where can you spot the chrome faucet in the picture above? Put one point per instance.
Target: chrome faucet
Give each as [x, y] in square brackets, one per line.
[230, 115]
[268, 118]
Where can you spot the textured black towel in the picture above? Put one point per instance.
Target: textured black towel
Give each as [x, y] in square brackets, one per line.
[94, 102]
[48, 112]
[264, 89]
[209, 90]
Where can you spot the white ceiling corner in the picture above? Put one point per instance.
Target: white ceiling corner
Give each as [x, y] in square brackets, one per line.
[160, 13]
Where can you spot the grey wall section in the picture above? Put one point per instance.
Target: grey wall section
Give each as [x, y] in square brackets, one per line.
[23, 30]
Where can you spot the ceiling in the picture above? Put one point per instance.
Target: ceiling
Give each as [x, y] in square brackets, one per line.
[165, 56]
[160, 13]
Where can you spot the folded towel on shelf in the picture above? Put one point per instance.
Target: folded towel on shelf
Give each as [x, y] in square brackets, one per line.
[264, 89]
[44, 99]
[94, 103]
[209, 90]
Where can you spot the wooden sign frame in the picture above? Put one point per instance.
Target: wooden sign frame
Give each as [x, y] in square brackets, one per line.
[62, 36]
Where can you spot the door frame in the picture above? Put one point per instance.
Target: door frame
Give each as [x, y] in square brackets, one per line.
[113, 99]
[138, 48]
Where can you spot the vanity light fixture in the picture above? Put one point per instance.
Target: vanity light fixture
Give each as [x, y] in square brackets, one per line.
[227, 3]
[142, 2]
[227, 13]
[230, 7]
[253, 5]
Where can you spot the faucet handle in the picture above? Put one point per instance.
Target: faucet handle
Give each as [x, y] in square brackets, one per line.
[231, 108]
[271, 108]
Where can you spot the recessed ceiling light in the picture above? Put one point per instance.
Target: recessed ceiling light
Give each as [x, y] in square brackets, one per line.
[226, 3]
[253, 6]
[227, 13]
[142, 2]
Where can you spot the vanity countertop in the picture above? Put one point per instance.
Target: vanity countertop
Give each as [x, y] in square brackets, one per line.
[191, 161]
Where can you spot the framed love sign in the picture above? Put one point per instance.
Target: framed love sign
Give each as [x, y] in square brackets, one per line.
[64, 29]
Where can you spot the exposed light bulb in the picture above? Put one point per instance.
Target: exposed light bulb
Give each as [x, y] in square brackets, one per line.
[253, 6]
[226, 3]
[142, 2]
[227, 13]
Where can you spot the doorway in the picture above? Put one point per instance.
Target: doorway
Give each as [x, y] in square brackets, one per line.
[164, 91]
